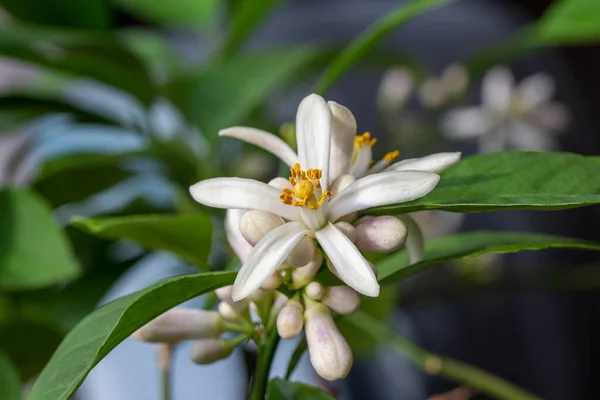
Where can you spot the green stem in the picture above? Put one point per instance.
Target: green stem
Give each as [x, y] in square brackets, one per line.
[266, 352]
[165, 353]
[165, 379]
[433, 364]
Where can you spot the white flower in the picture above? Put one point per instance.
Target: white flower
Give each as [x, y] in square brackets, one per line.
[520, 116]
[435, 92]
[325, 138]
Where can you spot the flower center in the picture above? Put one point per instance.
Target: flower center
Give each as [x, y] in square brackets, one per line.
[306, 189]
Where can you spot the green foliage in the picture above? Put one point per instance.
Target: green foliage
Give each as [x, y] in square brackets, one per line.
[363, 44]
[280, 389]
[569, 22]
[186, 235]
[472, 244]
[10, 382]
[192, 13]
[101, 331]
[34, 252]
[88, 14]
[224, 94]
[91, 55]
[511, 180]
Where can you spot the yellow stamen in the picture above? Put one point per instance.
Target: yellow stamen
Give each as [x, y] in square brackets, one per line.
[364, 140]
[303, 189]
[391, 156]
[306, 188]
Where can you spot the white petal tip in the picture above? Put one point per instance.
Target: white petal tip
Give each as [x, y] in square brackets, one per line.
[238, 295]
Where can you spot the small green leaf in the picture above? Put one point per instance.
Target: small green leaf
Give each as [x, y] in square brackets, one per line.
[223, 95]
[569, 22]
[511, 180]
[79, 53]
[247, 15]
[100, 332]
[34, 251]
[190, 13]
[20, 109]
[186, 235]
[371, 37]
[10, 381]
[280, 389]
[472, 244]
[76, 177]
[301, 347]
[88, 14]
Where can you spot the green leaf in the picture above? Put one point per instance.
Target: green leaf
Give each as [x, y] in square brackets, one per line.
[247, 15]
[280, 389]
[371, 37]
[190, 13]
[222, 95]
[88, 14]
[76, 177]
[187, 235]
[433, 364]
[20, 109]
[79, 53]
[10, 381]
[301, 347]
[473, 244]
[34, 251]
[100, 332]
[568, 22]
[512, 180]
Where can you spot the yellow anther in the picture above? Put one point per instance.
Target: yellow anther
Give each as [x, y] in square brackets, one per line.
[391, 156]
[303, 189]
[324, 196]
[286, 198]
[364, 140]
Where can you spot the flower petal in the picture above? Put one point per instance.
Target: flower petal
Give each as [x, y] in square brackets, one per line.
[242, 193]
[347, 260]
[240, 246]
[415, 242]
[343, 131]
[535, 90]
[437, 163]
[380, 190]
[313, 134]
[362, 162]
[265, 140]
[497, 88]
[268, 254]
[465, 123]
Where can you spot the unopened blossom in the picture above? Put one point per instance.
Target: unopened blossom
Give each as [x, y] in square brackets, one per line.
[314, 290]
[290, 319]
[207, 351]
[304, 275]
[341, 299]
[395, 88]
[382, 234]
[255, 225]
[330, 354]
[180, 324]
[518, 116]
[435, 92]
[326, 144]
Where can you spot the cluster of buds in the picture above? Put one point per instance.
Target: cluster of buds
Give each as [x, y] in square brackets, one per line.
[435, 92]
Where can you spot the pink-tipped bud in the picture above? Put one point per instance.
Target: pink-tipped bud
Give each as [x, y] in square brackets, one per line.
[180, 324]
[302, 276]
[255, 224]
[342, 299]
[314, 290]
[290, 320]
[329, 352]
[273, 282]
[380, 234]
[347, 229]
[208, 351]
[302, 254]
[224, 294]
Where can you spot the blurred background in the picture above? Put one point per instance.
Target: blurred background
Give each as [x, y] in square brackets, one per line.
[111, 107]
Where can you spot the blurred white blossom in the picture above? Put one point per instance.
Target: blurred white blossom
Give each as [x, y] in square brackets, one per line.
[517, 116]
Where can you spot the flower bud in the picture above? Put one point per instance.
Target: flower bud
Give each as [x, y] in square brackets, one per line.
[224, 294]
[255, 224]
[302, 254]
[380, 234]
[280, 300]
[302, 276]
[210, 350]
[273, 282]
[227, 312]
[180, 324]
[341, 299]
[347, 229]
[329, 352]
[314, 290]
[395, 88]
[290, 320]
